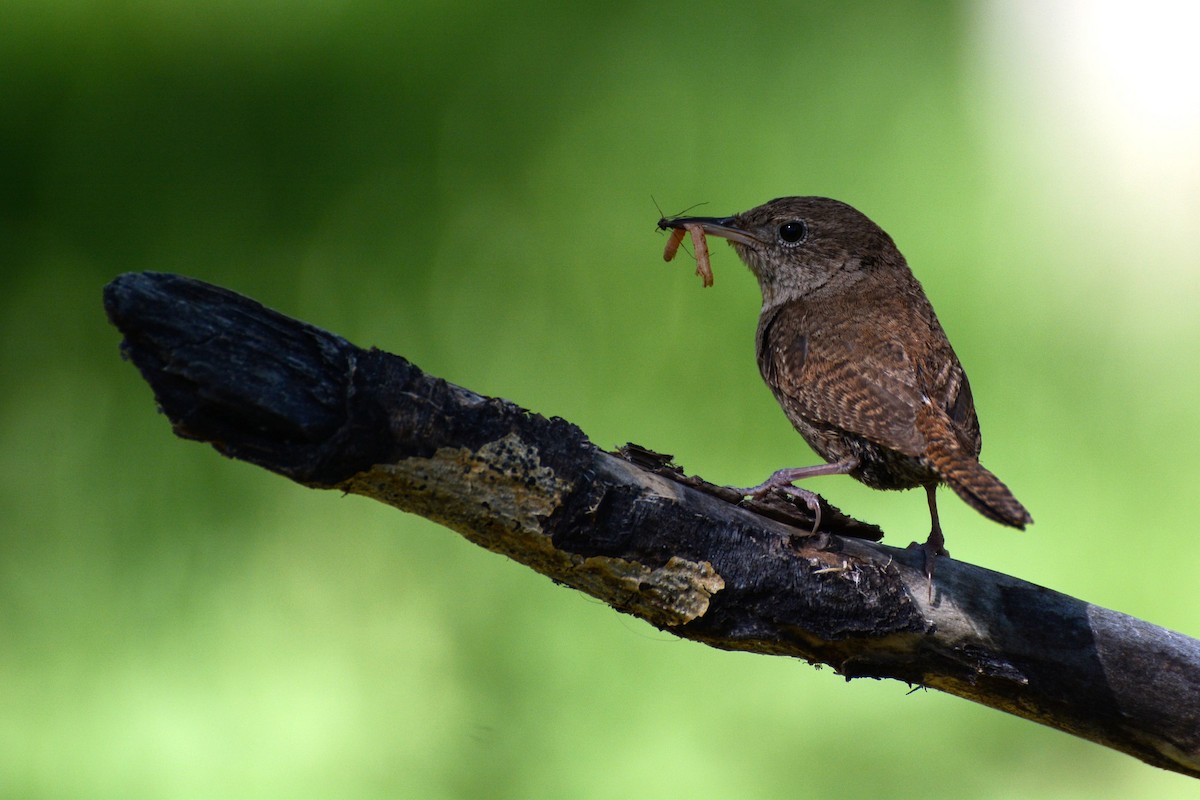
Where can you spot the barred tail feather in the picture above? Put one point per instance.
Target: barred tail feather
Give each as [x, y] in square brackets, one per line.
[984, 492]
[978, 487]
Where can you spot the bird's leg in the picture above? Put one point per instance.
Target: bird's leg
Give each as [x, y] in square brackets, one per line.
[934, 545]
[782, 479]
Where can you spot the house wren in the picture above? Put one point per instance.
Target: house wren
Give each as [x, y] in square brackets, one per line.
[850, 347]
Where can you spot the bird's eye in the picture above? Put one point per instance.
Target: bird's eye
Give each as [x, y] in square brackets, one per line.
[793, 231]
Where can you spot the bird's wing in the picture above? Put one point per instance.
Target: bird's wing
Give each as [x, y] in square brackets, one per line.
[837, 372]
[950, 392]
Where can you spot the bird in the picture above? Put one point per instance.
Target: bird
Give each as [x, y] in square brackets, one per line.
[850, 347]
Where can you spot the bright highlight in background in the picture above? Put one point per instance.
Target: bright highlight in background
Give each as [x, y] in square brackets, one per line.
[1117, 85]
[1100, 101]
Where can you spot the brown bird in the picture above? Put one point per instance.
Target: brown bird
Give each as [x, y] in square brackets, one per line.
[850, 347]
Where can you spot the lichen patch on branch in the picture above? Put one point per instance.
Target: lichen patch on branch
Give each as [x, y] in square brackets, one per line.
[506, 476]
[671, 595]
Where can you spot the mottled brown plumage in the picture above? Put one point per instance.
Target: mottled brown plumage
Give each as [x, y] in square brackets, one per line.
[851, 349]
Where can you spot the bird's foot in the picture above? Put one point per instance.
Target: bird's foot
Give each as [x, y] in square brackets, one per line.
[931, 549]
[811, 499]
[782, 480]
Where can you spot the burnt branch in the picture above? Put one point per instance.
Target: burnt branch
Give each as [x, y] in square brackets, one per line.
[632, 530]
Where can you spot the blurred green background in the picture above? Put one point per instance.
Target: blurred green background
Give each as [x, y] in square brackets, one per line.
[470, 186]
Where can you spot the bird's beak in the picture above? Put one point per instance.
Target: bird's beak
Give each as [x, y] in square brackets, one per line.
[725, 227]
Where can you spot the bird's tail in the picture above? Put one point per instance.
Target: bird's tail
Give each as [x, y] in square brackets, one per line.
[978, 487]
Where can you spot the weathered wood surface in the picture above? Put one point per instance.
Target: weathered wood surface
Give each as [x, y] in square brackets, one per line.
[636, 533]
